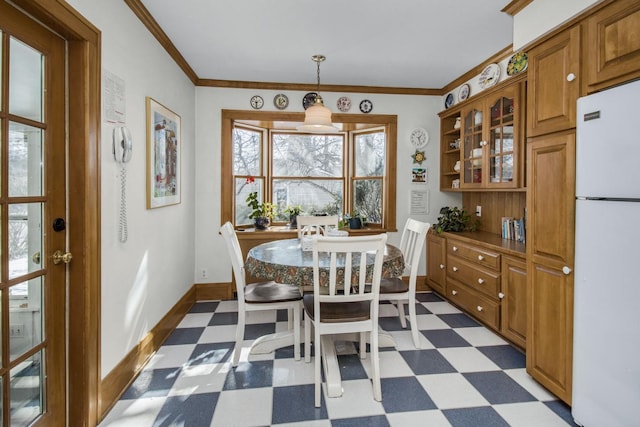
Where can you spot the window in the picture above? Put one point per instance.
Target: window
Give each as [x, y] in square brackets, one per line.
[352, 170]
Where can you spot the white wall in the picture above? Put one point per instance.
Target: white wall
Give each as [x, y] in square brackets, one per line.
[412, 112]
[541, 16]
[144, 277]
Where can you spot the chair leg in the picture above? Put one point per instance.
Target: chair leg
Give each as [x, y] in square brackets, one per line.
[296, 332]
[289, 318]
[363, 345]
[239, 337]
[318, 376]
[307, 338]
[413, 320]
[375, 366]
[400, 306]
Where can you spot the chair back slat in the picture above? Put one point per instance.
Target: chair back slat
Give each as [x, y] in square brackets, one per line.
[412, 243]
[235, 253]
[309, 225]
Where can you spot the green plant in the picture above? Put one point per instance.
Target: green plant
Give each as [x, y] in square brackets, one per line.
[455, 219]
[293, 210]
[260, 210]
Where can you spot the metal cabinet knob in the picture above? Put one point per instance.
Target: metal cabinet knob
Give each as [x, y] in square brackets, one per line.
[571, 77]
[479, 308]
[480, 280]
[454, 292]
[480, 258]
[441, 266]
[566, 270]
[455, 268]
[455, 249]
[500, 295]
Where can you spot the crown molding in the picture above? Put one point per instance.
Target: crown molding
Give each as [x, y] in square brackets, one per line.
[515, 6]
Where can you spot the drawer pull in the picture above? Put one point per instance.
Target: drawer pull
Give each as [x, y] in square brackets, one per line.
[566, 270]
[480, 258]
[500, 295]
[441, 266]
[480, 280]
[479, 308]
[454, 292]
[455, 249]
[455, 268]
[571, 77]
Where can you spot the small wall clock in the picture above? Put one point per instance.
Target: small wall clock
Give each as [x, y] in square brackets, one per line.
[419, 137]
[257, 102]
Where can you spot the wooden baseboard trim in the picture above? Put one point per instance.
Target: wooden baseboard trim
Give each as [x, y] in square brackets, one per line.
[123, 374]
[213, 291]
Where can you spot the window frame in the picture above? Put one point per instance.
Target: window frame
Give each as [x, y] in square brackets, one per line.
[351, 122]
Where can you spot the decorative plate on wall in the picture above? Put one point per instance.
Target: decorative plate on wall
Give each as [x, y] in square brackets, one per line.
[257, 102]
[448, 101]
[489, 76]
[309, 99]
[281, 101]
[517, 63]
[344, 104]
[366, 106]
[464, 92]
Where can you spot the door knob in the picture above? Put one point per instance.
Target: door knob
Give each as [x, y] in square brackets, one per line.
[59, 257]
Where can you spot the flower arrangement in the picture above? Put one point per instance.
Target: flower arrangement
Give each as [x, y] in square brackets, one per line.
[259, 210]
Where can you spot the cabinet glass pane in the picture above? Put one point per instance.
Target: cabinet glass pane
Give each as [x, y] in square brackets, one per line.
[25, 238]
[26, 390]
[26, 71]
[25, 160]
[25, 316]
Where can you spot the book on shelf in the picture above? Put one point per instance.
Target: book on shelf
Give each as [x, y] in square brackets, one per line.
[513, 229]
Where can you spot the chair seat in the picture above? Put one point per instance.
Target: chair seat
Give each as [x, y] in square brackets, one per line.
[267, 292]
[338, 312]
[394, 285]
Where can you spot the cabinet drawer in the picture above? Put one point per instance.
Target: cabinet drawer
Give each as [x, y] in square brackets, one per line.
[480, 279]
[475, 304]
[475, 254]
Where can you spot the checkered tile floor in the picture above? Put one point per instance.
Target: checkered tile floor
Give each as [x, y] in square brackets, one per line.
[464, 375]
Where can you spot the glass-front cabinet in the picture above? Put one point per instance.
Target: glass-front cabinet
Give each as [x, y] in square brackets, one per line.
[489, 133]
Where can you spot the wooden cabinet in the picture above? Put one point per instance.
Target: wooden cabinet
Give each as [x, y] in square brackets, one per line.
[550, 249]
[513, 321]
[612, 39]
[436, 262]
[486, 152]
[491, 140]
[553, 83]
[485, 277]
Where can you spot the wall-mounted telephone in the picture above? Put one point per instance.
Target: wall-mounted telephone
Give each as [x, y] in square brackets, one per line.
[122, 145]
[122, 150]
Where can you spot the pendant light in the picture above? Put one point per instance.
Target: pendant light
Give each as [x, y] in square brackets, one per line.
[317, 118]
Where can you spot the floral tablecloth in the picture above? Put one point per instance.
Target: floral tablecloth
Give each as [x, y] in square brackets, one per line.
[284, 261]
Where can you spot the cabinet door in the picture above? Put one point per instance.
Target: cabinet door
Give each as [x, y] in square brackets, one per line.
[502, 139]
[550, 248]
[514, 300]
[473, 142]
[613, 39]
[436, 268]
[553, 84]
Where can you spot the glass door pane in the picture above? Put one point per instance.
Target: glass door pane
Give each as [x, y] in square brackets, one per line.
[501, 146]
[472, 141]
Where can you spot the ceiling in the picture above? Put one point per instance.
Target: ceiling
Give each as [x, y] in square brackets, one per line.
[394, 43]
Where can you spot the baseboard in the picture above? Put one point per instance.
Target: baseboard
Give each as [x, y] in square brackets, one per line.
[421, 284]
[123, 374]
[213, 291]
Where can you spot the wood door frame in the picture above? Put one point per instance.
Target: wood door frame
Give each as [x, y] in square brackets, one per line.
[84, 62]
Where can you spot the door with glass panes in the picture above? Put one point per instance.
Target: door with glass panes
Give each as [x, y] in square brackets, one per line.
[32, 228]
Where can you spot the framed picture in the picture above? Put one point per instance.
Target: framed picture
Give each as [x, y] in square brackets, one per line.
[419, 175]
[163, 155]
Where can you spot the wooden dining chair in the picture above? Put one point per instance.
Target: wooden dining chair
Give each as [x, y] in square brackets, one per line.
[259, 296]
[395, 289]
[309, 225]
[345, 306]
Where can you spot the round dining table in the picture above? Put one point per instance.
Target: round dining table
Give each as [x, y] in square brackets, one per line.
[285, 261]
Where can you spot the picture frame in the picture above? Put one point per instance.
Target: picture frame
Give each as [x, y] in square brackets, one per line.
[163, 155]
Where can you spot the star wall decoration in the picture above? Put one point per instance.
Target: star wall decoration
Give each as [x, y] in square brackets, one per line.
[418, 157]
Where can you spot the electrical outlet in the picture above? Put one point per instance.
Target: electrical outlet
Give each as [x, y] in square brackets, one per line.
[16, 331]
[204, 273]
[478, 210]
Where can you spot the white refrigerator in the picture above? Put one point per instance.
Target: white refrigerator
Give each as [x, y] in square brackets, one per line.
[606, 361]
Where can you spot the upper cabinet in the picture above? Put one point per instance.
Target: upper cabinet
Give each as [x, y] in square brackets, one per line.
[482, 142]
[553, 83]
[612, 38]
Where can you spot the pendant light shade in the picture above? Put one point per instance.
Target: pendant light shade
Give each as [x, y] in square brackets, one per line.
[317, 118]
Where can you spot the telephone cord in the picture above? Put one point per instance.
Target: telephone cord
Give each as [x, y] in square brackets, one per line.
[123, 233]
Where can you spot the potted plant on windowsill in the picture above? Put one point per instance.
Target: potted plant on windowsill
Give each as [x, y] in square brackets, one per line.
[355, 221]
[262, 213]
[293, 212]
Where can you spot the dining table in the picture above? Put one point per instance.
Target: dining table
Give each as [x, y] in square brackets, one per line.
[286, 261]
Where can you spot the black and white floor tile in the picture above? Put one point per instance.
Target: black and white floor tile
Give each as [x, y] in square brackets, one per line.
[463, 375]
